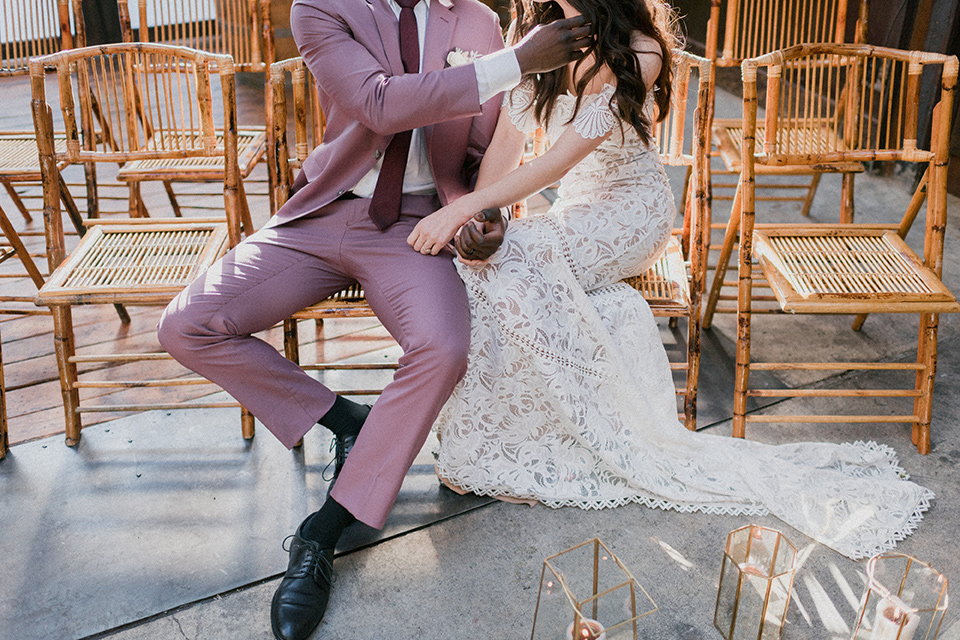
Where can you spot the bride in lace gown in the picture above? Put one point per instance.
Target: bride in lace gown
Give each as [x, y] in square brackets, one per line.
[568, 399]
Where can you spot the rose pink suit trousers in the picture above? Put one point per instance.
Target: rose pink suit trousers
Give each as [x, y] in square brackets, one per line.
[282, 269]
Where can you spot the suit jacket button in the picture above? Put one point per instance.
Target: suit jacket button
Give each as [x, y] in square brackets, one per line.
[377, 154]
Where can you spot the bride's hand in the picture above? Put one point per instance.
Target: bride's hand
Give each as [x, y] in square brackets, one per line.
[436, 231]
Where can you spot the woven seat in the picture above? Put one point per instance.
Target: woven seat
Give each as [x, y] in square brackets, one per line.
[132, 261]
[873, 95]
[847, 271]
[665, 286]
[728, 136]
[251, 144]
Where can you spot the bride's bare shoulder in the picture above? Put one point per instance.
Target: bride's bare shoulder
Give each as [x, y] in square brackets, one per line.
[649, 57]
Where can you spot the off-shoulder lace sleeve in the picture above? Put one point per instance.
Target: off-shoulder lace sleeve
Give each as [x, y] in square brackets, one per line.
[518, 103]
[597, 116]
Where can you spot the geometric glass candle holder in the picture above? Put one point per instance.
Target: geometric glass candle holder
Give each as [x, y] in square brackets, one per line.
[756, 580]
[587, 594]
[905, 599]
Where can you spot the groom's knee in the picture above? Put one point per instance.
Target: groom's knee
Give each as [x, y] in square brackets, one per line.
[445, 353]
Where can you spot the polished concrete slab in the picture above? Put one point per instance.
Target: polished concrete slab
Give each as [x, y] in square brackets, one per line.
[164, 508]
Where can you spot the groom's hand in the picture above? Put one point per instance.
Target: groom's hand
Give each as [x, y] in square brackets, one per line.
[480, 238]
[548, 47]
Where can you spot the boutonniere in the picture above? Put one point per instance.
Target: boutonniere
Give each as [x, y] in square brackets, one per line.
[459, 57]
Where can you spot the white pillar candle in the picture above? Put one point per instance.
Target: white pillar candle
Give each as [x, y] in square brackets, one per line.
[590, 629]
[891, 612]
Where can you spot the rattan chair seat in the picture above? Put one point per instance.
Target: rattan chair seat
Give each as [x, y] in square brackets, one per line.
[129, 263]
[19, 158]
[728, 136]
[847, 271]
[664, 285]
[251, 145]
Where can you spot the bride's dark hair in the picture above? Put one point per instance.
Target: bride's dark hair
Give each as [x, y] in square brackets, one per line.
[614, 23]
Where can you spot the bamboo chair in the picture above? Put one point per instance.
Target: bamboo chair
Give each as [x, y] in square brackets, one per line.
[141, 262]
[752, 28]
[845, 268]
[31, 28]
[308, 122]
[673, 287]
[239, 28]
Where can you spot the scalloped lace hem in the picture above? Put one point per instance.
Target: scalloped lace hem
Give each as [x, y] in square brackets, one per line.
[756, 509]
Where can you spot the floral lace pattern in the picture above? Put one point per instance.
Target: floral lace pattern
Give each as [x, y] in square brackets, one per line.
[569, 399]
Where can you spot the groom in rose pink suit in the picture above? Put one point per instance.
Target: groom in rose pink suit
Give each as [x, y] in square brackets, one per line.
[405, 134]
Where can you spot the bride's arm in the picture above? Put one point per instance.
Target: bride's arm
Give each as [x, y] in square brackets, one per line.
[437, 229]
[504, 152]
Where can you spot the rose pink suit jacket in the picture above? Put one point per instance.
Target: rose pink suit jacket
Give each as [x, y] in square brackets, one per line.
[352, 47]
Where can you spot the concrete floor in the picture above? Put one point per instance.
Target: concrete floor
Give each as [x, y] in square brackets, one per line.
[169, 525]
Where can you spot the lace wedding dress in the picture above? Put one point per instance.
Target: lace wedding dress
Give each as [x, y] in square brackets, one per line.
[569, 400]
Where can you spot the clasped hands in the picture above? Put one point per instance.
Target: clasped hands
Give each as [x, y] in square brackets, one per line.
[475, 238]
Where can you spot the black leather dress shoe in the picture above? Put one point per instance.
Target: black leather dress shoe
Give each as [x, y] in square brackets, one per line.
[301, 599]
[341, 446]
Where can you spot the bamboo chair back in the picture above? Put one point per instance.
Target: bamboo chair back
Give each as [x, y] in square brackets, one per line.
[308, 127]
[869, 97]
[239, 28]
[308, 122]
[126, 103]
[864, 100]
[752, 28]
[32, 28]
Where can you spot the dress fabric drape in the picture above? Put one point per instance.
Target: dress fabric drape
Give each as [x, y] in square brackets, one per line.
[569, 399]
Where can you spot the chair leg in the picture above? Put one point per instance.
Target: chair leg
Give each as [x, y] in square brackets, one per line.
[4, 439]
[693, 372]
[846, 199]
[172, 197]
[811, 192]
[246, 424]
[291, 340]
[923, 404]
[245, 219]
[65, 348]
[14, 239]
[729, 239]
[18, 201]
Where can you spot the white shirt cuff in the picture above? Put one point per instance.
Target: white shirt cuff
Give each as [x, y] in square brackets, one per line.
[496, 72]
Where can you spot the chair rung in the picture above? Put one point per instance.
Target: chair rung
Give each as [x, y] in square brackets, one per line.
[834, 393]
[105, 408]
[679, 366]
[133, 384]
[348, 367]
[360, 392]
[837, 366]
[832, 419]
[120, 357]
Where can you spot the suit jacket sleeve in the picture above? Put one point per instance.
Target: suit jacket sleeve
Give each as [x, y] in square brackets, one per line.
[353, 77]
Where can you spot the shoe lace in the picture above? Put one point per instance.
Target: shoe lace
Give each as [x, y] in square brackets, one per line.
[334, 461]
[314, 563]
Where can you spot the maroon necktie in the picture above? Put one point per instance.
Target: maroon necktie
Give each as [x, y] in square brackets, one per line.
[385, 205]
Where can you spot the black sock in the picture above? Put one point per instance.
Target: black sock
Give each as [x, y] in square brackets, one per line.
[326, 525]
[345, 417]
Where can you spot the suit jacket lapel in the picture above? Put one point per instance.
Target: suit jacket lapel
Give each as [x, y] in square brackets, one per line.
[439, 34]
[389, 33]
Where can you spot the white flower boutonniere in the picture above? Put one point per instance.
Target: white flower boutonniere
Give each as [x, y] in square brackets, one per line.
[459, 57]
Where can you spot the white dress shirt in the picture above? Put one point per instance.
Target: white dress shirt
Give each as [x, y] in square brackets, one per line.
[496, 72]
